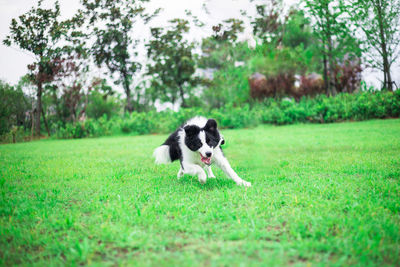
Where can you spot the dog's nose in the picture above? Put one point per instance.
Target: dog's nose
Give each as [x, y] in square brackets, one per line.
[208, 154]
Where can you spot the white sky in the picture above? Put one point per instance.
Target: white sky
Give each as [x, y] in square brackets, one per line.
[13, 61]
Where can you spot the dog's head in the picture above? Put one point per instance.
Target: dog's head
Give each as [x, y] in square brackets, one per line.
[203, 140]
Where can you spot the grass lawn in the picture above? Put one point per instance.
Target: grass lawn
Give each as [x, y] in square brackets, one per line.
[321, 195]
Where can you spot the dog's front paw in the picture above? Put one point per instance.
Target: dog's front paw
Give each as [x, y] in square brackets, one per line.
[244, 183]
[211, 176]
[180, 174]
[202, 179]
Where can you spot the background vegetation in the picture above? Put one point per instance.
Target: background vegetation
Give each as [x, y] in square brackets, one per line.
[305, 66]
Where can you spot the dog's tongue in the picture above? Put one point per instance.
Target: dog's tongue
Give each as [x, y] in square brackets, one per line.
[205, 160]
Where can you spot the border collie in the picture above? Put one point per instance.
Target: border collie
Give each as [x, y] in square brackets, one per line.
[197, 144]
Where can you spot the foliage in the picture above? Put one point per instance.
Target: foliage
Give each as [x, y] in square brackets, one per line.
[337, 41]
[228, 31]
[115, 44]
[98, 105]
[13, 107]
[232, 64]
[217, 54]
[269, 24]
[348, 75]
[228, 86]
[281, 69]
[222, 48]
[278, 71]
[70, 87]
[295, 48]
[172, 64]
[228, 66]
[298, 31]
[380, 23]
[322, 195]
[88, 128]
[359, 106]
[321, 109]
[286, 60]
[38, 31]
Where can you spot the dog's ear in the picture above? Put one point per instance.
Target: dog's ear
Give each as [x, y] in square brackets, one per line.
[211, 125]
[191, 130]
[222, 141]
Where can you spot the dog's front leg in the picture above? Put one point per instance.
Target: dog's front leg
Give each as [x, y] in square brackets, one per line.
[193, 169]
[209, 172]
[223, 163]
[180, 173]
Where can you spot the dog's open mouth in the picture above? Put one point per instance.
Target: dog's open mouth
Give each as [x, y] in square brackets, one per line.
[205, 160]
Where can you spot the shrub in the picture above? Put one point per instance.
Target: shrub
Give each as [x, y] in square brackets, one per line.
[139, 123]
[100, 105]
[236, 117]
[321, 109]
[347, 75]
[13, 106]
[15, 135]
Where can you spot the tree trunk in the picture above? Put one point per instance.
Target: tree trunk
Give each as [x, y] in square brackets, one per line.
[38, 109]
[129, 106]
[326, 78]
[45, 123]
[182, 96]
[384, 78]
[389, 77]
[32, 121]
[327, 48]
[82, 114]
[387, 81]
[57, 106]
[332, 78]
[127, 90]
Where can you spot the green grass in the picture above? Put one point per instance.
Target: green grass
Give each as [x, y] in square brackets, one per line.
[321, 195]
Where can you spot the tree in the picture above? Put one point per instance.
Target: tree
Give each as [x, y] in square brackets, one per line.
[114, 45]
[221, 52]
[101, 100]
[13, 105]
[221, 49]
[334, 35]
[173, 63]
[228, 31]
[298, 30]
[269, 24]
[73, 86]
[379, 21]
[39, 31]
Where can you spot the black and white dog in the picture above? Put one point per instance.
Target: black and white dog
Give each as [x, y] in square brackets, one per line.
[197, 144]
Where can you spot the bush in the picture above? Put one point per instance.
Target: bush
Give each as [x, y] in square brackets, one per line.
[360, 106]
[236, 117]
[100, 105]
[138, 123]
[321, 109]
[87, 128]
[13, 106]
[16, 134]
